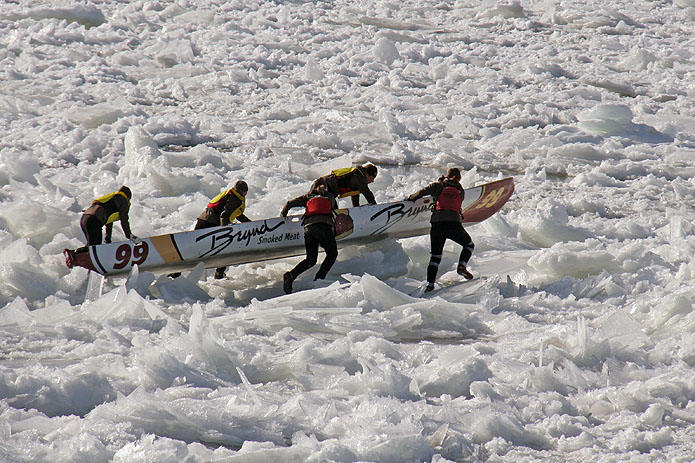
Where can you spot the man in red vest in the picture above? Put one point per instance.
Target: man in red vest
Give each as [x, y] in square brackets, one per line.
[446, 222]
[318, 221]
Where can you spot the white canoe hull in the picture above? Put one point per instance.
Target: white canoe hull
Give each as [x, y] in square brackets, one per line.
[280, 237]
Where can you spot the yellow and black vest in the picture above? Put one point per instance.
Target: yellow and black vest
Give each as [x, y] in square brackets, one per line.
[113, 216]
[217, 203]
[344, 188]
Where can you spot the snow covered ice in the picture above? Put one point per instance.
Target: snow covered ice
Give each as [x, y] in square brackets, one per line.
[577, 344]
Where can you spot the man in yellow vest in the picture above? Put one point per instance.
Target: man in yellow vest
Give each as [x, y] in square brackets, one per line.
[350, 181]
[223, 209]
[106, 210]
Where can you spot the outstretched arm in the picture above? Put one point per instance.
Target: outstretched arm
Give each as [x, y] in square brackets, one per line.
[125, 225]
[231, 210]
[427, 191]
[299, 201]
[368, 195]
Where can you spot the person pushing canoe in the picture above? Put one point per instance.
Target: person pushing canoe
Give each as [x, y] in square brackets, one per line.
[223, 209]
[446, 223]
[350, 181]
[318, 220]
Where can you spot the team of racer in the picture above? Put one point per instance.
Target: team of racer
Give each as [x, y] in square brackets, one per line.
[320, 205]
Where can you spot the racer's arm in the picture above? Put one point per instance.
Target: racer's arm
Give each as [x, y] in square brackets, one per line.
[299, 201]
[429, 190]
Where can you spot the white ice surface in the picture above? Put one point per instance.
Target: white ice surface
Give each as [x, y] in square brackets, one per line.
[576, 344]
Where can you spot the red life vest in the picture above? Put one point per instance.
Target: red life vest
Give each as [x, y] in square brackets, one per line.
[318, 205]
[449, 199]
[218, 201]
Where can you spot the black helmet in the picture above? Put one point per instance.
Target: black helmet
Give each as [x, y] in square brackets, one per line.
[240, 186]
[126, 191]
[370, 169]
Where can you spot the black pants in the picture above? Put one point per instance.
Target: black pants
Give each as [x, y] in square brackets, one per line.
[200, 224]
[439, 233]
[315, 235]
[91, 227]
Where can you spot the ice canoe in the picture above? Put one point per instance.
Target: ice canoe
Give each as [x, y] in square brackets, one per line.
[279, 237]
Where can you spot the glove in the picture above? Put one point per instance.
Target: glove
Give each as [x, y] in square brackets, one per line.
[135, 239]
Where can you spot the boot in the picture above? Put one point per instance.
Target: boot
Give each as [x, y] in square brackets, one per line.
[219, 274]
[463, 271]
[430, 287]
[69, 257]
[287, 282]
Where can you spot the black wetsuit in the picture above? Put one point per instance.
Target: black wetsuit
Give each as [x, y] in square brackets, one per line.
[318, 231]
[230, 205]
[446, 224]
[103, 212]
[351, 184]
